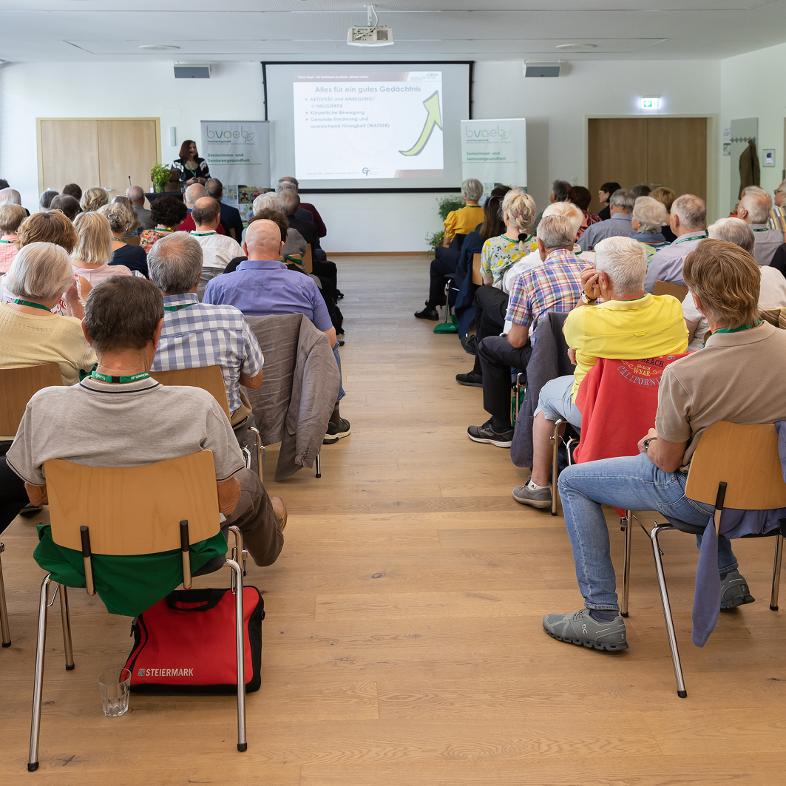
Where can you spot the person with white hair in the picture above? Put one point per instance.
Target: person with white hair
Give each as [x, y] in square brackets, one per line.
[457, 225]
[552, 285]
[772, 293]
[619, 225]
[30, 334]
[647, 221]
[618, 320]
[10, 196]
[754, 209]
[688, 221]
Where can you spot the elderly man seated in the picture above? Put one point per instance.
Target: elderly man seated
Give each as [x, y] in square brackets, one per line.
[198, 334]
[217, 250]
[703, 388]
[618, 320]
[754, 209]
[190, 196]
[121, 417]
[619, 225]
[688, 221]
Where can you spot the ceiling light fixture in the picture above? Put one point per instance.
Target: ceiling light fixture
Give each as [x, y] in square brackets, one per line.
[158, 47]
[575, 46]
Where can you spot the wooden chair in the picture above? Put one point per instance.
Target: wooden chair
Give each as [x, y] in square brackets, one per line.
[132, 511]
[734, 466]
[308, 259]
[670, 288]
[477, 279]
[17, 386]
[211, 379]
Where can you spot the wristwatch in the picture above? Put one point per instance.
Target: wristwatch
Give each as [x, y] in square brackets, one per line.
[587, 300]
[646, 443]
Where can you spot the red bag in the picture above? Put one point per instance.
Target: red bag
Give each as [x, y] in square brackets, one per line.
[186, 643]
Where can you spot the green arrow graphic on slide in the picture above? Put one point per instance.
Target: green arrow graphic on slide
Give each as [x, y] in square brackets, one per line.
[433, 119]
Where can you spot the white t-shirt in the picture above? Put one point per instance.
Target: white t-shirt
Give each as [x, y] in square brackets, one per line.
[771, 295]
[217, 250]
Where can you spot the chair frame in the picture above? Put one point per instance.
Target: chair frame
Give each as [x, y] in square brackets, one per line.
[557, 438]
[5, 629]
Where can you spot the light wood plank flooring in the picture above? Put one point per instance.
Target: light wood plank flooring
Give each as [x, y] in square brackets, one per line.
[403, 644]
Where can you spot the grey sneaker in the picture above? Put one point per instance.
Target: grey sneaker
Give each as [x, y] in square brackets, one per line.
[535, 498]
[487, 435]
[734, 591]
[582, 630]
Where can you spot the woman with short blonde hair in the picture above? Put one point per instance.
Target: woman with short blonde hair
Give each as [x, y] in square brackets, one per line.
[93, 251]
[122, 219]
[94, 198]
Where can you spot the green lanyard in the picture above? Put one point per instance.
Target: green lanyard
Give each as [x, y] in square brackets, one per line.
[30, 304]
[202, 234]
[688, 238]
[179, 306]
[737, 329]
[122, 380]
[3, 240]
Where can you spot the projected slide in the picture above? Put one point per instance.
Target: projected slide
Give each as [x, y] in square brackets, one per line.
[371, 128]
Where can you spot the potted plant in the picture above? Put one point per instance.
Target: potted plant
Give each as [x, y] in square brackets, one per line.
[159, 175]
[446, 205]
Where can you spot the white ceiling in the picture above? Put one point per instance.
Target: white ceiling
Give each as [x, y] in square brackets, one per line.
[218, 30]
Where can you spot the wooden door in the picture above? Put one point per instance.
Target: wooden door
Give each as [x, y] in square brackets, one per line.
[126, 148]
[68, 153]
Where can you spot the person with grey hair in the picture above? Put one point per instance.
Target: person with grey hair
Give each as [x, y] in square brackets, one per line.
[754, 209]
[772, 293]
[552, 285]
[201, 334]
[144, 219]
[617, 320]
[190, 196]
[647, 221]
[45, 201]
[217, 250]
[40, 275]
[619, 225]
[288, 180]
[777, 218]
[688, 222]
[10, 196]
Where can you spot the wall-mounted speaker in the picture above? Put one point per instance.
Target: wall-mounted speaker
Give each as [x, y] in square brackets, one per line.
[542, 69]
[192, 71]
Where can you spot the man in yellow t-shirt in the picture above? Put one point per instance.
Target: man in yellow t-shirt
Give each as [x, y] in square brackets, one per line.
[458, 224]
[629, 324]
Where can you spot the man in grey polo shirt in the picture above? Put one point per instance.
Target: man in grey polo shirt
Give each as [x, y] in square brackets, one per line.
[121, 417]
[688, 221]
[621, 205]
[754, 209]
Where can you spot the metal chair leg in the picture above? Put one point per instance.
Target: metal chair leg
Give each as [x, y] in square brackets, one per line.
[65, 618]
[664, 596]
[318, 466]
[38, 683]
[555, 438]
[260, 450]
[776, 572]
[242, 744]
[5, 628]
[626, 523]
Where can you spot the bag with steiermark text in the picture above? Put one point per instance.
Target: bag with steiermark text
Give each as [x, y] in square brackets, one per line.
[185, 643]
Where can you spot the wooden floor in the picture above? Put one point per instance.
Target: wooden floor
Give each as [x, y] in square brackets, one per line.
[403, 643]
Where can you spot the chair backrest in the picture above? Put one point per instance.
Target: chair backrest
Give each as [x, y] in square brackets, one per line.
[746, 458]
[208, 378]
[477, 279]
[670, 288]
[133, 510]
[308, 259]
[17, 386]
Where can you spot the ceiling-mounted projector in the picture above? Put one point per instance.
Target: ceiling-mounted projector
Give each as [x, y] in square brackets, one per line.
[370, 34]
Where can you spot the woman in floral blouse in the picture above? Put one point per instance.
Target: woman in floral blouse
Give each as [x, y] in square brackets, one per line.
[167, 212]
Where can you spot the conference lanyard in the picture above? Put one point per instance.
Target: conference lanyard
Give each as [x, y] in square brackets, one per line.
[3, 240]
[30, 304]
[202, 234]
[688, 238]
[179, 306]
[122, 380]
[738, 329]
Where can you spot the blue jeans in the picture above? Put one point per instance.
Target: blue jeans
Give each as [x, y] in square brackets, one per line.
[556, 401]
[630, 482]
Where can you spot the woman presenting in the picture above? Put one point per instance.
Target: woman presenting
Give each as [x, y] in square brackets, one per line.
[190, 164]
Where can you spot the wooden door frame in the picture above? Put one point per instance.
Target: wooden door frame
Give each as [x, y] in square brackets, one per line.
[712, 166]
[39, 146]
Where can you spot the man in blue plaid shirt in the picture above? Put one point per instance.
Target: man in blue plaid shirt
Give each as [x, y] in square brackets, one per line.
[197, 334]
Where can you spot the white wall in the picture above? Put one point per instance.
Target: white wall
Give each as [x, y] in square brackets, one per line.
[556, 110]
[753, 87]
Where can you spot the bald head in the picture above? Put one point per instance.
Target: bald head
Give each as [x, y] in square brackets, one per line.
[206, 213]
[136, 195]
[193, 192]
[263, 240]
[10, 196]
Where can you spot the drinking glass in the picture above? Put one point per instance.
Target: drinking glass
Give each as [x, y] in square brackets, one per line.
[115, 686]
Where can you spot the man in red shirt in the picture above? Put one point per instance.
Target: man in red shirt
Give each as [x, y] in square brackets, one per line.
[190, 195]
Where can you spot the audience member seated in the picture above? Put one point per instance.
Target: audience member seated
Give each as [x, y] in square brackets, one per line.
[121, 219]
[167, 213]
[262, 285]
[621, 206]
[618, 320]
[754, 209]
[30, 333]
[688, 221]
[3, 183]
[188, 164]
[458, 224]
[581, 197]
[136, 196]
[772, 292]
[647, 220]
[666, 197]
[10, 196]
[553, 285]
[192, 193]
[143, 421]
[604, 195]
[49, 227]
[217, 250]
[230, 216]
[307, 206]
[777, 219]
[94, 198]
[67, 204]
[703, 388]
[640, 190]
[72, 190]
[560, 192]
[197, 334]
[90, 257]
[11, 217]
[45, 202]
